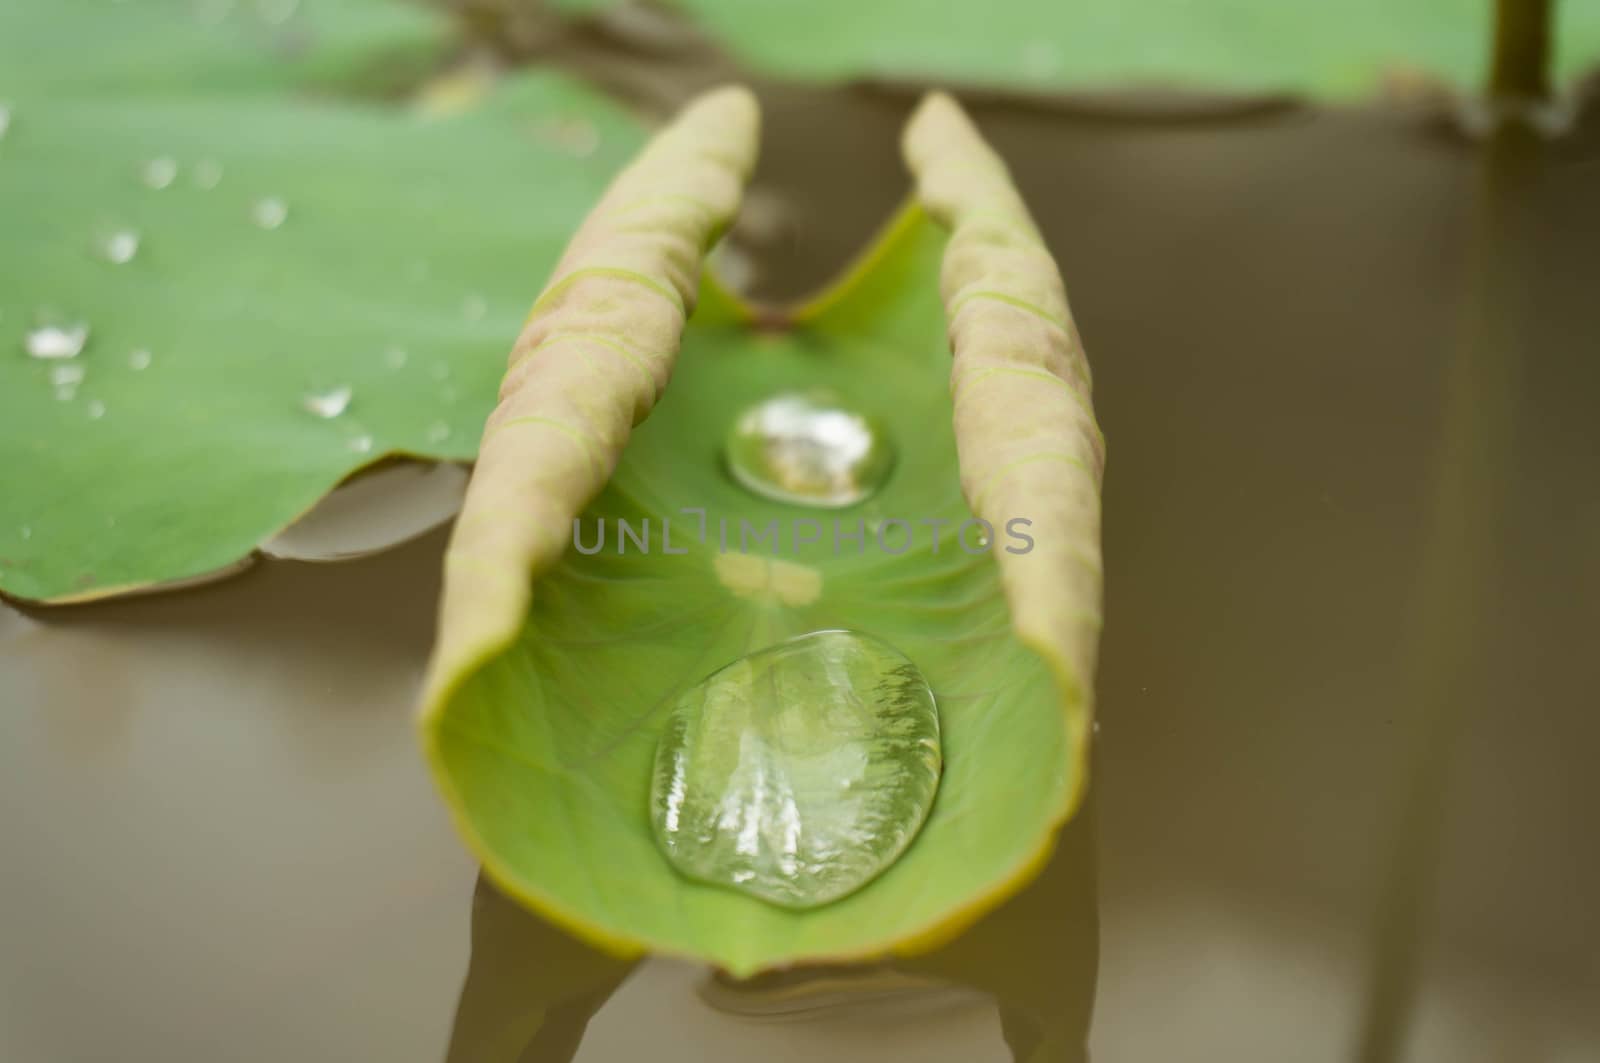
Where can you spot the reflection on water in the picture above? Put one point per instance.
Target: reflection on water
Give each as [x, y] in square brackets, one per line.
[1019, 985]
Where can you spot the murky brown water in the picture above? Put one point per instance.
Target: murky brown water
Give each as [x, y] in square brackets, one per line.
[1344, 797]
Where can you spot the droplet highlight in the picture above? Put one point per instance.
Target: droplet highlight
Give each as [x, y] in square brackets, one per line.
[56, 341]
[119, 247]
[361, 444]
[800, 772]
[159, 172]
[95, 409]
[139, 359]
[65, 378]
[328, 404]
[395, 357]
[808, 449]
[438, 432]
[269, 213]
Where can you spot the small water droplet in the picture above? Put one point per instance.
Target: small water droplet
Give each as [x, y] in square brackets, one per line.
[438, 432]
[96, 409]
[808, 449]
[119, 247]
[57, 341]
[27, 532]
[139, 359]
[474, 307]
[800, 772]
[361, 444]
[269, 213]
[207, 174]
[983, 541]
[448, 394]
[160, 172]
[328, 404]
[395, 357]
[5, 118]
[65, 378]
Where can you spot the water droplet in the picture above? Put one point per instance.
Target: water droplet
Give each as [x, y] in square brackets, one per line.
[361, 444]
[448, 394]
[5, 118]
[27, 532]
[798, 773]
[96, 409]
[207, 174]
[160, 172]
[328, 404]
[269, 213]
[808, 449]
[65, 378]
[57, 341]
[577, 137]
[119, 247]
[139, 359]
[438, 432]
[474, 307]
[395, 357]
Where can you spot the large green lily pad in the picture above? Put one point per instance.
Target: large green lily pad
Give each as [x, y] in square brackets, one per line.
[1326, 49]
[400, 270]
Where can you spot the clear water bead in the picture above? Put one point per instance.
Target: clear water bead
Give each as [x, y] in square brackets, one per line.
[96, 409]
[119, 247]
[139, 359]
[800, 772]
[361, 444]
[328, 404]
[160, 172]
[269, 213]
[56, 341]
[808, 449]
[5, 119]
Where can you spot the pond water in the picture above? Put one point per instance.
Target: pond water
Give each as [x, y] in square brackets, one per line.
[1343, 789]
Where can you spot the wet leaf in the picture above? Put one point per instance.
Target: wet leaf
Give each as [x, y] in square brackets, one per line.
[317, 278]
[557, 668]
[1254, 45]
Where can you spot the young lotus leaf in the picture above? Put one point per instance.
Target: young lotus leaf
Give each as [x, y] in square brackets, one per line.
[1323, 49]
[557, 667]
[269, 280]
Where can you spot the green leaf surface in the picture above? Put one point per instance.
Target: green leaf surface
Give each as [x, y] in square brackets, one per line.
[1324, 49]
[546, 750]
[400, 271]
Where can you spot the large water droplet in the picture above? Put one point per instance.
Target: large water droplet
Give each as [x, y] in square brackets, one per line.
[120, 246]
[808, 449]
[160, 172]
[328, 403]
[56, 341]
[269, 213]
[800, 772]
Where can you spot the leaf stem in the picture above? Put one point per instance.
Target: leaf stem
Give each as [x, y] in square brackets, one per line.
[1522, 44]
